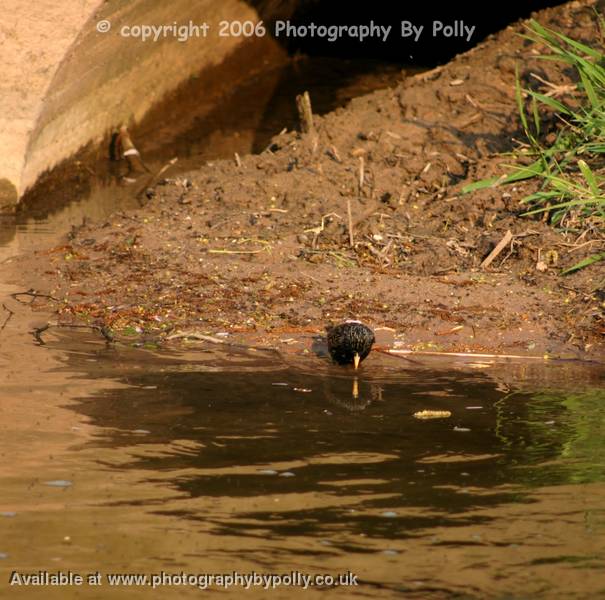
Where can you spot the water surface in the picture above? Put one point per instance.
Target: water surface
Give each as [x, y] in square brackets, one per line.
[123, 460]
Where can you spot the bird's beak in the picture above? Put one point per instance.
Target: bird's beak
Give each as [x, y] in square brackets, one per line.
[356, 361]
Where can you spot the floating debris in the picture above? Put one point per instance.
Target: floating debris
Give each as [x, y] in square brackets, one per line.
[3, 555]
[461, 428]
[280, 384]
[389, 514]
[432, 414]
[473, 407]
[62, 483]
[267, 472]
[8, 513]
[287, 474]
[303, 390]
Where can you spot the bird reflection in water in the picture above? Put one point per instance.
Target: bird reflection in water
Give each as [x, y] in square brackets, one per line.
[354, 395]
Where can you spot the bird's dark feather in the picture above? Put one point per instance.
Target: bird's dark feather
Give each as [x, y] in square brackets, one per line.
[347, 339]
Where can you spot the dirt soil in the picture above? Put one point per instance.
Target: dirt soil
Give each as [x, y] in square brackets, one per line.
[259, 248]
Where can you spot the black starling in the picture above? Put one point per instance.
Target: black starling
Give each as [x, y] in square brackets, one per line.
[350, 342]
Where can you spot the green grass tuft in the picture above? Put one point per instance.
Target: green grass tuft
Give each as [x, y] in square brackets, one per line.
[572, 169]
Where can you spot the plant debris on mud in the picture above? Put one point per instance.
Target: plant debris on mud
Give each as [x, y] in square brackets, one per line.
[264, 245]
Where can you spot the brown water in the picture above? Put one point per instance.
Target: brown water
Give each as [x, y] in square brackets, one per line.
[121, 460]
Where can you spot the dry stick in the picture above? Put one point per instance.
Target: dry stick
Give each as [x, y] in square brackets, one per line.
[508, 236]
[167, 166]
[359, 189]
[37, 332]
[195, 336]
[268, 147]
[136, 166]
[389, 352]
[333, 154]
[463, 354]
[361, 174]
[582, 245]
[155, 178]
[31, 292]
[314, 279]
[130, 153]
[305, 113]
[221, 251]
[102, 329]
[10, 316]
[350, 219]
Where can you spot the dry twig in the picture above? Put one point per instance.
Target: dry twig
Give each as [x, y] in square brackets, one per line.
[305, 113]
[508, 236]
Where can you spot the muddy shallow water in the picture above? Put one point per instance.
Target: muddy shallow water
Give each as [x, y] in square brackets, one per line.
[216, 459]
[124, 460]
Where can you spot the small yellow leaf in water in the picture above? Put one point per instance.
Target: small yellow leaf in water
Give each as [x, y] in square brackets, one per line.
[432, 414]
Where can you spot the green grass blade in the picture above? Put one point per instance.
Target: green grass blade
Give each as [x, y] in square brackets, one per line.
[579, 46]
[565, 205]
[591, 180]
[539, 196]
[596, 73]
[558, 106]
[520, 105]
[525, 172]
[519, 174]
[553, 37]
[556, 58]
[590, 91]
[584, 263]
[596, 148]
[536, 114]
[479, 185]
[571, 168]
[544, 33]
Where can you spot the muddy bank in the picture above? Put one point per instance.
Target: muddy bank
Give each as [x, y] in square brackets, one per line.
[261, 248]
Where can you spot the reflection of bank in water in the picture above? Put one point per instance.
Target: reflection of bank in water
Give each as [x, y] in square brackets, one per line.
[571, 425]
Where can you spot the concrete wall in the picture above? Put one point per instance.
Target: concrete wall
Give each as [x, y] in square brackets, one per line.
[65, 83]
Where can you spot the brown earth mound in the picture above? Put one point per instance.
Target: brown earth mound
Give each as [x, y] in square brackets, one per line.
[262, 247]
